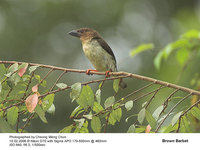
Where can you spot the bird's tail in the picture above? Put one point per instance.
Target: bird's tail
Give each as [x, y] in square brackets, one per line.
[122, 84]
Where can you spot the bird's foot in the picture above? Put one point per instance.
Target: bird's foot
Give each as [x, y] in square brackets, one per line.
[88, 71]
[107, 74]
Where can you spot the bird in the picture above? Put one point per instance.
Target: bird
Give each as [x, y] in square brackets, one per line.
[97, 51]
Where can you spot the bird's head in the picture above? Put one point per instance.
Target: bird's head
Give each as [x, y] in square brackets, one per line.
[84, 33]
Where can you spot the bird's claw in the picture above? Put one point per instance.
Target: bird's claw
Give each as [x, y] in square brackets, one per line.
[88, 71]
[107, 74]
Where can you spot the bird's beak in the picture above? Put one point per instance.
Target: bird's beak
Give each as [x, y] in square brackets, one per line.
[74, 33]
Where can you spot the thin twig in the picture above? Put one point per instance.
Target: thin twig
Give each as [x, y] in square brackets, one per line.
[196, 103]
[152, 97]
[29, 82]
[84, 83]
[8, 77]
[106, 124]
[17, 124]
[134, 92]
[27, 121]
[147, 94]
[165, 104]
[41, 81]
[58, 80]
[16, 104]
[171, 111]
[48, 73]
[4, 101]
[123, 100]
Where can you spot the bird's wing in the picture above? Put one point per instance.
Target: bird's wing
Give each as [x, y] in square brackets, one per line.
[105, 46]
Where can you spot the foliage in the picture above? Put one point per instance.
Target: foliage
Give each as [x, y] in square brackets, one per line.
[185, 47]
[24, 95]
[18, 99]
[141, 48]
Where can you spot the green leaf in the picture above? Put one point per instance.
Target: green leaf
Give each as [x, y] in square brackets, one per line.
[98, 96]
[157, 112]
[126, 120]
[109, 101]
[26, 77]
[61, 85]
[170, 128]
[192, 34]
[111, 120]
[185, 126]
[182, 43]
[158, 59]
[23, 65]
[129, 105]
[12, 115]
[158, 121]
[151, 120]
[144, 104]
[37, 77]
[141, 48]
[41, 113]
[175, 118]
[84, 128]
[44, 83]
[167, 50]
[5, 127]
[51, 109]
[86, 97]
[88, 116]
[116, 85]
[32, 68]
[131, 129]
[13, 68]
[47, 102]
[77, 130]
[17, 78]
[97, 107]
[196, 112]
[141, 116]
[67, 129]
[96, 124]
[100, 85]
[13, 80]
[76, 90]
[182, 56]
[140, 129]
[8, 74]
[76, 110]
[85, 124]
[115, 115]
[79, 122]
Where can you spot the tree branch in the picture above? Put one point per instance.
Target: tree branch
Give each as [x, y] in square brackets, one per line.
[125, 74]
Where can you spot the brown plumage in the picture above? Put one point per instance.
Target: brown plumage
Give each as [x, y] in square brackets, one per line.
[97, 50]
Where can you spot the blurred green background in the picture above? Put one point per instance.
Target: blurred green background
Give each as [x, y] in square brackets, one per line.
[36, 31]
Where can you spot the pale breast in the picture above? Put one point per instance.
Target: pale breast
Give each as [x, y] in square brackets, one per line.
[100, 59]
